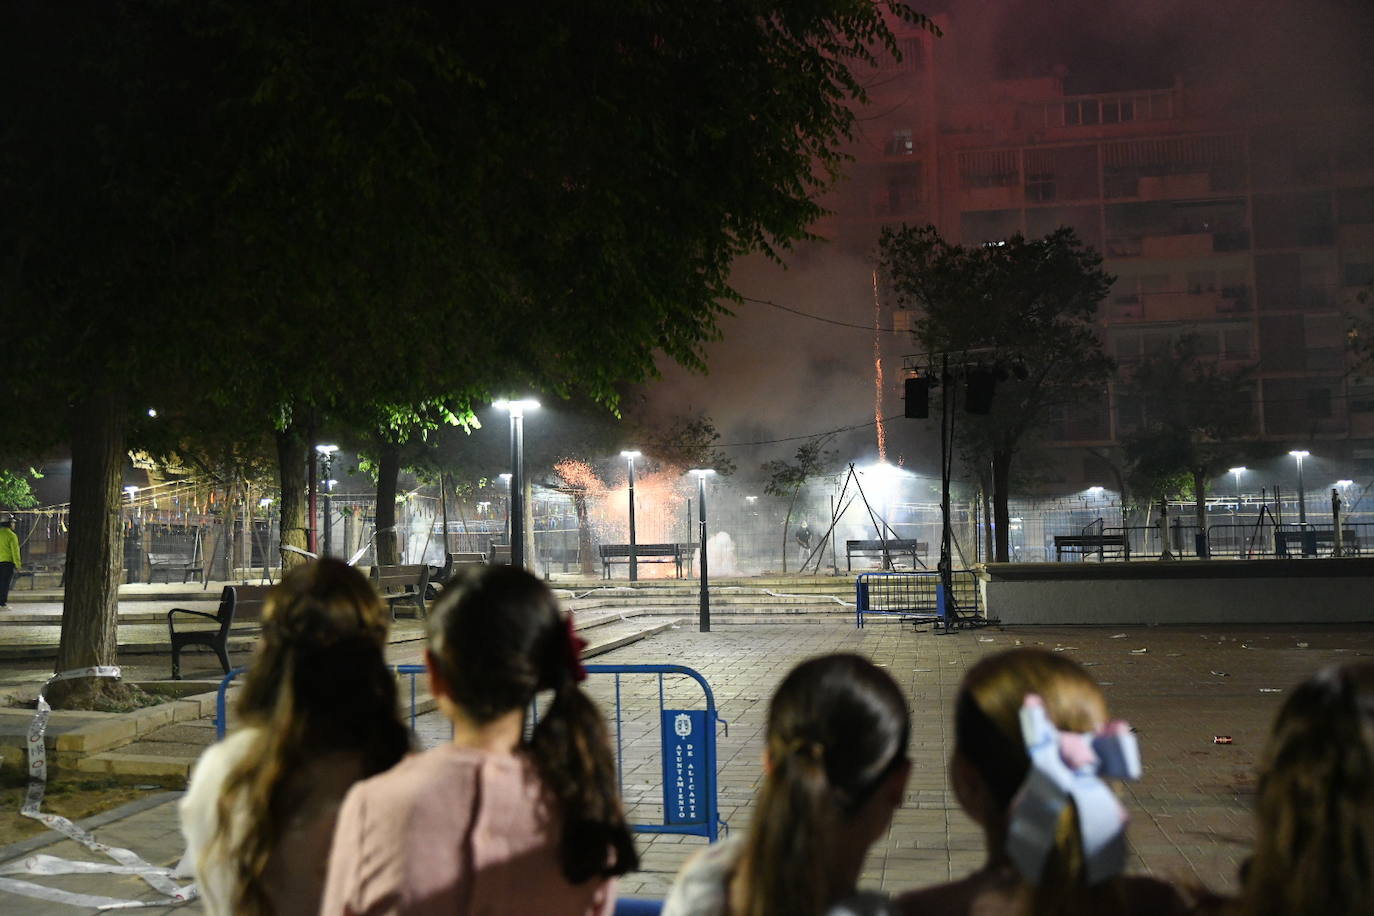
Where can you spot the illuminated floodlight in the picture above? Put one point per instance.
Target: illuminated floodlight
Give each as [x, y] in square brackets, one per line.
[631, 454]
[326, 449]
[131, 490]
[516, 408]
[1240, 470]
[152, 411]
[1345, 483]
[1300, 453]
[701, 472]
[751, 499]
[505, 478]
[1096, 490]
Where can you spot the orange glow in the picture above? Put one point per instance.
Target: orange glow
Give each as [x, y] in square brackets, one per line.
[878, 374]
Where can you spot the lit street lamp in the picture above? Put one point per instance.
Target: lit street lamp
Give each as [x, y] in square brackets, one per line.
[704, 614]
[517, 481]
[630, 456]
[326, 453]
[1236, 472]
[1300, 454]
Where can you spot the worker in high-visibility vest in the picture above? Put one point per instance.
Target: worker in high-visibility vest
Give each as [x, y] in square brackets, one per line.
[9, 557]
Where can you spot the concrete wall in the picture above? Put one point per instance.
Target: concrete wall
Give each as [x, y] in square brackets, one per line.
[1260, 591]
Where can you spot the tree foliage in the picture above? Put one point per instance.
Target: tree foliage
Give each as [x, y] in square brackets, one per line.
[1194, 412]
[262, 214]
[785, 479]
[1023, 309]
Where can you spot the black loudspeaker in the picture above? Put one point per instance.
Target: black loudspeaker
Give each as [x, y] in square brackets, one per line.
[917, 398]
[978, 393]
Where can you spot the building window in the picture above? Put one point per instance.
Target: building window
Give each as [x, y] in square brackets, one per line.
[901, 143]
[1319, 403]
[988, 169]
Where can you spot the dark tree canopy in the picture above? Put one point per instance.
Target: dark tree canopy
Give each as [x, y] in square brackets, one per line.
[1023, 308]
[263, 214]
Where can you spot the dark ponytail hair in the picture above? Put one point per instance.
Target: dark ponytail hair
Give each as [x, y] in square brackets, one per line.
[499, 638]
[837, 726]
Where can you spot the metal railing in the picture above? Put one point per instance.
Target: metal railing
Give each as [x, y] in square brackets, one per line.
[912, 596]
[687, 745]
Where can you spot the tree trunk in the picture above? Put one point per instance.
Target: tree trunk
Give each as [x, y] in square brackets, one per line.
[90, 603]
[1001, 474]
[786, 524]
[388, 471]
[292, 445]
[584, 534]
[1200, 508]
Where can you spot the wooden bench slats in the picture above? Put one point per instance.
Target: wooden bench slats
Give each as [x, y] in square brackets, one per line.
[899, 546]
[173, 562]
[406, 582]
[648, 553]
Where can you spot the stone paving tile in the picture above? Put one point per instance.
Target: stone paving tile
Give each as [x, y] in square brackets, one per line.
[1190, 814]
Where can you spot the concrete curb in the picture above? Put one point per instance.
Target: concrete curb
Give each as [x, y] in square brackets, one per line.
[22, 848]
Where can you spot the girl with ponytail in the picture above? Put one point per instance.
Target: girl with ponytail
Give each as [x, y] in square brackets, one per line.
[1033, 746]
[318, 713]
[836, 768]
[492, 823]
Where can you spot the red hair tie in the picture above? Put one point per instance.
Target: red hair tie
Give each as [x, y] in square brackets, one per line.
[573, 645]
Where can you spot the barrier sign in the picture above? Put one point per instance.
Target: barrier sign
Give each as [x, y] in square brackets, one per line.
[685, 779]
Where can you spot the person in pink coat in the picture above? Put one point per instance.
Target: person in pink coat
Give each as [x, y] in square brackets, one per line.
[491, 823]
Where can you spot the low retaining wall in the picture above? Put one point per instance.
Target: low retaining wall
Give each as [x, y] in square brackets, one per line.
[1182, 592]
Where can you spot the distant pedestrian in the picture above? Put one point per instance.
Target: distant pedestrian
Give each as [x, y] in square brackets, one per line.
[492, 822]
[804, 536]
[318, 712]
[9, 557]
[836, 769]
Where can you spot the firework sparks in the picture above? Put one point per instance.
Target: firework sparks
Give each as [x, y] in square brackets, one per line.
[878, 373]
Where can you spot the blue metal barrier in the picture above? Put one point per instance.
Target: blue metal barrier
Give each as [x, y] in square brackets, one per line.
[690, 804]
[637, 906]
[914, 596]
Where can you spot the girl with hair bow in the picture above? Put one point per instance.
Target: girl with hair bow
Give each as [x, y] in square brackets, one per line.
[492, 822]
[1033, 746]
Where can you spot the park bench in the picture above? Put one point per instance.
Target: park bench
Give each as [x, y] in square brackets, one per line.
[237, 603]
[403, 583]
[1288, 542]
[895, 547]
[1085, 544]
[40, 565]
[169, 563]
[499, 554]
[455, 564]
[644, 553]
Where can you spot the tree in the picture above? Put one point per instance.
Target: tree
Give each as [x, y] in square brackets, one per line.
[15, 490]
[785, 479]
[686, 441]
[267, 215]
[1193, 412]
[1022, 309]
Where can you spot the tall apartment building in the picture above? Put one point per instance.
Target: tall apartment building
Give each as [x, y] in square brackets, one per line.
[1249, 226]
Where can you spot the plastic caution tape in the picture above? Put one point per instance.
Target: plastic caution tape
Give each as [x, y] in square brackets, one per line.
[126, 862]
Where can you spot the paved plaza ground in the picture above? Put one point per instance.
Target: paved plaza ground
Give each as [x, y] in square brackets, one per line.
[1190, 814]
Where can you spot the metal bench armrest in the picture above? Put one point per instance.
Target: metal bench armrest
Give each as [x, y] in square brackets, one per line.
[182, 610]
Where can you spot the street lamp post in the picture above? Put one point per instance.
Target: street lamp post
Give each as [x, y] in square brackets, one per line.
[630, 456]
[326, 453]
[1300, 454]
[704, 614]
[1236, 472]
[517, 409]
[505, 533]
